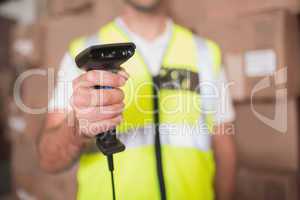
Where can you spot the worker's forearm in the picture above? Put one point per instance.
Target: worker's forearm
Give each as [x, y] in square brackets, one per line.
[225, 157]
[225, 179]
[60, 147]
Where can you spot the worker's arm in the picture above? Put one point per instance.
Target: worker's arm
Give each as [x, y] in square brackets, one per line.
[59, 144]
[93, 112]
[225, 158]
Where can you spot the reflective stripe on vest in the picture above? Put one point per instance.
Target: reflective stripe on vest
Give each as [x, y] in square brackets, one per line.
[187, 157]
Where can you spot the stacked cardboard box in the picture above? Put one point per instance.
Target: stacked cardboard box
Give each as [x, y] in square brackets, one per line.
[24, 128]
[6, 82]
[249, 6]
[27, 46]
[5, 40]
[58, 8]
[29, 179]
[267, 138]
[260, 41]
[59, 33]
[260, 53]
[43, 45]
[257, 37]
[6, 77]
[273, 140]
[255, 47]
[211, 11]
[264, 185]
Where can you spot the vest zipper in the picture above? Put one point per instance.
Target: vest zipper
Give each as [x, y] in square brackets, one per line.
[158, 152]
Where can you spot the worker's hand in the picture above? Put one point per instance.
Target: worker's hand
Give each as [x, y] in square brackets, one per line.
[98, 111]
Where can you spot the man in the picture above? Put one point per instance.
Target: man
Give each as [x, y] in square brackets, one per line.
[175, 161]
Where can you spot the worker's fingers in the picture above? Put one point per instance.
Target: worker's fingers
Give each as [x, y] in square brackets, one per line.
[93, 129]
[98, 111]
[123, 73]
[100, 78]
[95, 114]
[88, 97]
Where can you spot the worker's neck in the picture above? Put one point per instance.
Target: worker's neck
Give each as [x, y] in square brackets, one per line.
[148, 25]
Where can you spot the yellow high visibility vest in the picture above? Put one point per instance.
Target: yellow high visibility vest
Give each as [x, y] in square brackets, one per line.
[188, 164]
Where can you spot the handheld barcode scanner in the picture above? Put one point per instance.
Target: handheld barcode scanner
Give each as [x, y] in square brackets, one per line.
[107, 57]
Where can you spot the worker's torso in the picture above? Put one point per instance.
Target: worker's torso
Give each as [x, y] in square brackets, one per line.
[188, 167]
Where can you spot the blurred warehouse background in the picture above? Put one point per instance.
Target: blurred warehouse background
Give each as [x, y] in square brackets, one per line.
[258, 38]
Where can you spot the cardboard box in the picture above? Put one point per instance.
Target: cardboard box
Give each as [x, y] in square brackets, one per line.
[106, 10]
[267, 136]
[6, 85]
[6, 26]
[7, 78]
[16, 121]
[63, 7]
[267, 185]
[24, 128]
[195, 12]
[28, 46]
[256, 47]
[59, 33]
[248, 6]
[30, 180]
[34, 96]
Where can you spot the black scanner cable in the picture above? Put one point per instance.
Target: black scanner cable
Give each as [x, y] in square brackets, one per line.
[158, 150]
[110, 161]
[104, 139]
